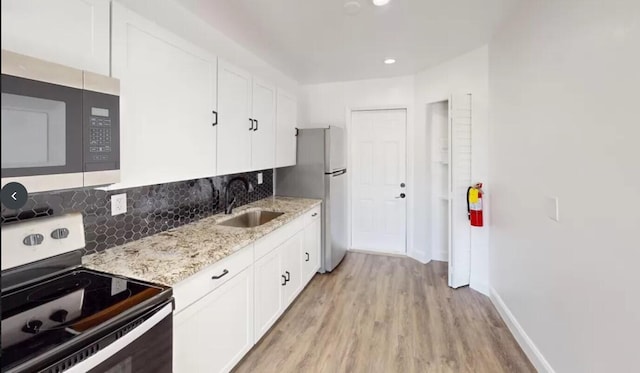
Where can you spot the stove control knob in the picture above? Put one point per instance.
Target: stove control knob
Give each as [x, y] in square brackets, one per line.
[32, 326]
[59, 316]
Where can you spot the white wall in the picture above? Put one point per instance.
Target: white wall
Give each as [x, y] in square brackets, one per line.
[465, 74]
[329, 103]
[175, 18]
[564, 90]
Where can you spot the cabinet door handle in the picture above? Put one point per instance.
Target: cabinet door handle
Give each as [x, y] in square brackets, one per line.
[307, 254]
[255, 129]
[284, 280]
[314, 214]
[297, 131]
[215, 122]
[224, 273]
[251, 121]
[288, 275]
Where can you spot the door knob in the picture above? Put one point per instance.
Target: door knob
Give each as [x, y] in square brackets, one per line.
[402, 195]
[402, 185]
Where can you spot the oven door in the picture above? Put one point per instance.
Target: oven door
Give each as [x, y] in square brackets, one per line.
[148, 348]
[42, 133]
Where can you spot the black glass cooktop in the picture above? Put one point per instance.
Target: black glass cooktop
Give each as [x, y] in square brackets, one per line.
[40, 317]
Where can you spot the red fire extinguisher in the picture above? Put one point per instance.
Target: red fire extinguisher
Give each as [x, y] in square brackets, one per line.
[474, 204]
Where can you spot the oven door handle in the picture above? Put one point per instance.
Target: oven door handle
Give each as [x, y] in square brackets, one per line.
[112, 349]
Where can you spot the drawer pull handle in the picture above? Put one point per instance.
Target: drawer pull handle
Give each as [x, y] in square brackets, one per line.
[314, 214]
[307, 254]
[224, 273]
[284, 280]
[288, 275]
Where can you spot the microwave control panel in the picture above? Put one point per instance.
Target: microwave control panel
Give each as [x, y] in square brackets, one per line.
[102, 140]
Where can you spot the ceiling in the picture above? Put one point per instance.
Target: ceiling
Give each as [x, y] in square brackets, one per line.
[319, 40]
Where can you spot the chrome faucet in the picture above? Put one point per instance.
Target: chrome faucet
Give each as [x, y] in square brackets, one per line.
[228, 209]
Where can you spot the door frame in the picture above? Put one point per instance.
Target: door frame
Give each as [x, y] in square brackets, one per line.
[409, 164]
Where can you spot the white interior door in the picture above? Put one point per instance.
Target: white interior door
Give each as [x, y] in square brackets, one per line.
[459, 181]
[378, 212]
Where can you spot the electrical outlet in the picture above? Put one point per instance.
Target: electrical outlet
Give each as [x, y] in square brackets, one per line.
[118, 204]
[260, 178]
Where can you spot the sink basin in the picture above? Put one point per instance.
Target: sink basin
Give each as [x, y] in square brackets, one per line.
[251, 219]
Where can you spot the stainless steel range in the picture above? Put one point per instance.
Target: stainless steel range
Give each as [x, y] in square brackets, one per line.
[60, 317]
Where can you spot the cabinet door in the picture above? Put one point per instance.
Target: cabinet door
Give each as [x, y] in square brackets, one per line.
[291, 267]
[269, 283]
[214, 333]
[70, 32]
[286, 117]
[310, 258]
[263, 140]
[167, 98]
[234, 125]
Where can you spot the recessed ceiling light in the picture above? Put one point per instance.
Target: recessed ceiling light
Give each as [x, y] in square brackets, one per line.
[352, 8]
[390, 61]
[380, 2]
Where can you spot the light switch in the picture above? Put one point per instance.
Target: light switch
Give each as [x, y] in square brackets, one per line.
[552, 208]
[259, 178]
[118, 204]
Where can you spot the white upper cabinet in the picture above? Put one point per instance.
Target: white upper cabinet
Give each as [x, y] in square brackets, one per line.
[286, 117]
[263, 140]
[235, 126]
[247, 127]
[69, 32]
[168, 103]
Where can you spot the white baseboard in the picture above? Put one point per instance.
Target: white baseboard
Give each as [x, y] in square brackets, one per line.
[480, 287]
[420, 256]
[376, 252]
[527, 345]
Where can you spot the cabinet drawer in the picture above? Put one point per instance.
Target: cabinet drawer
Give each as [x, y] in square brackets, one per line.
[274, 239]
[197, 286]
[312, 215]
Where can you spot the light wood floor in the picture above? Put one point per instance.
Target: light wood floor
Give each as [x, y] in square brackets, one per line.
[387, 314]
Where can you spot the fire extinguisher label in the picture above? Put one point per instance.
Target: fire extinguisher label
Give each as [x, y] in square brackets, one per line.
[473, 195]
[476, 205]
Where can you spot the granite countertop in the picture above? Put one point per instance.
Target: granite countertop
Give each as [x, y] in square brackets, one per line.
[169, 257]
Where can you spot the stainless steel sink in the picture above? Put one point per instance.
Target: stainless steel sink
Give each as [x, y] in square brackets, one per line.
[251, 219]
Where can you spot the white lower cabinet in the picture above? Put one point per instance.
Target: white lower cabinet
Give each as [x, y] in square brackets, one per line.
[269, 281]
[214, 333]
[291, 267]
[311, 252]
[278, 281]
[223, 310]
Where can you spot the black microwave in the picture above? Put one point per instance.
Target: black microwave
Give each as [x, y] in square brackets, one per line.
[60, 125]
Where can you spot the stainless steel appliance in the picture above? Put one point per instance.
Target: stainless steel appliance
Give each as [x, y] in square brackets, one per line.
[60, 126]
[320, 172]
[60, 317]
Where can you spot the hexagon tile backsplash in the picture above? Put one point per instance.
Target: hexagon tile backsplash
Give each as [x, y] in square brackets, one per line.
[150, 209]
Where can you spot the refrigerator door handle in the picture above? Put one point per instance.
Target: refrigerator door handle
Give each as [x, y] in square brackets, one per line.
[338, 173]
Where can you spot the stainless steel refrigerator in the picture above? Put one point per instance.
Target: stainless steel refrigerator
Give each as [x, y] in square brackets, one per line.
[320, 172]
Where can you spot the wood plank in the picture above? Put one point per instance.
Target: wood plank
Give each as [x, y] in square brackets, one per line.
[387, 314]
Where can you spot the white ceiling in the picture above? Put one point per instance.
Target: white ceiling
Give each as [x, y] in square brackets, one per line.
[317, 41]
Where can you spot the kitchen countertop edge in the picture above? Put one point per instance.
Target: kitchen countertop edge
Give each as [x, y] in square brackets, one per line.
[172, 256]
